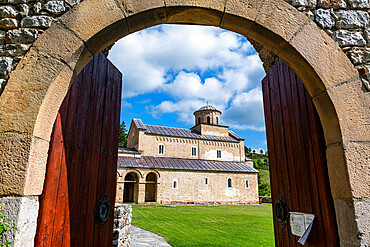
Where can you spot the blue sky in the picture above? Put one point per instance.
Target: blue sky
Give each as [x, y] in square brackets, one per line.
[169, 71]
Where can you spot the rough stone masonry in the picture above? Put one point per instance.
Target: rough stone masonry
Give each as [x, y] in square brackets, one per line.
[346, 21]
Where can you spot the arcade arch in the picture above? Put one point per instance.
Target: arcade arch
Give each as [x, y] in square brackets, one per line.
[40, 82]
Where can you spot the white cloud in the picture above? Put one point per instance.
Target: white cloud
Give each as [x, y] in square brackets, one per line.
[246, 111]
[193, 65]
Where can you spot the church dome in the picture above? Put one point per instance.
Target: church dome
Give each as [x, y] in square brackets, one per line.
[208, 108]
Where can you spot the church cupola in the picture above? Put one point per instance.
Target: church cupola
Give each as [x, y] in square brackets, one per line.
[207, 115]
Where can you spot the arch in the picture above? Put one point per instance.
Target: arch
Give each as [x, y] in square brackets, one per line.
[151, 187]
[139, 173]
[208, 119]
[40, 82]
[131, 188]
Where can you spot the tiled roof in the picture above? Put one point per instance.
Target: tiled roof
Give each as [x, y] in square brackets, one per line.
[184, 164]
[232, 133]
[138, 123]
[170, 131]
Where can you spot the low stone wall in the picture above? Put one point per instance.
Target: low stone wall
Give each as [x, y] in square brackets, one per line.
[122, 225]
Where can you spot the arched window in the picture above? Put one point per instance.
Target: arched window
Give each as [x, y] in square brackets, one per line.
[247, 184]
[133, 140]
[174, 184]
[229, 183]
[161, 149]
[198, 120]
[216, 120]
[208, 120]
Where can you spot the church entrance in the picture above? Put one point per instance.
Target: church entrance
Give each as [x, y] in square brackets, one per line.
[151, 188]
[130, 191]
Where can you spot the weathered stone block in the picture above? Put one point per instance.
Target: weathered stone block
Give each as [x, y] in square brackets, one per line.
[8, 23]
[22, 35]
[359, 55]
[362, 208]
[37, 21]
[354, 119]
[5, 65]
[349, 38]
[347, 19]
[332, 4]
[359, 4]
[8, 11]
[304, 3]
[25, 91]
[24, 9]
[55, 7]
[23, 212]
[37, 7]
[358, 163]
[324, 18]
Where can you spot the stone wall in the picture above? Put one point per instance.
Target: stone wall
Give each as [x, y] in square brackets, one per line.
[122, 225]
[21, 22]
[346, 21]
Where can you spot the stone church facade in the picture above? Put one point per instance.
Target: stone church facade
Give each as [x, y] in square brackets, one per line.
[203, 164]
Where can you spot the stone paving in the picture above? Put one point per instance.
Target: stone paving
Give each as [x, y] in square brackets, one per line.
[141, 238]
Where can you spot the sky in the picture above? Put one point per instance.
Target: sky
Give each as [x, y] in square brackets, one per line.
[170, 71]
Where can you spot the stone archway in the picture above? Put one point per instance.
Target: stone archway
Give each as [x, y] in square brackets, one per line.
[36, 88]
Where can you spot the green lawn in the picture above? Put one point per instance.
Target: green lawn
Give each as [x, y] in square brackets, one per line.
[224, 225]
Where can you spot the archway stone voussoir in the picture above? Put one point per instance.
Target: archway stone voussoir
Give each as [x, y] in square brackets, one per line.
[358, 160]
[25, 91]
[190, 15]
[324, 55]
[91, 16]
[338, 173]
[62, 44]
[240, 15]
[52, 100]
[354, 118]
[282, 19]
[218, 5]
[132, 7]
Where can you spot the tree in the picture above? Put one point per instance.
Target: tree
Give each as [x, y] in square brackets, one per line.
[122, 135]
[261, 151]
[254, 151]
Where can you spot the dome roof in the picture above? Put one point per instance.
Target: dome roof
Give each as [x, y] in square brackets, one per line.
[207, 107]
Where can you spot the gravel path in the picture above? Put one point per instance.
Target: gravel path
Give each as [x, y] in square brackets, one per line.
[141, 238]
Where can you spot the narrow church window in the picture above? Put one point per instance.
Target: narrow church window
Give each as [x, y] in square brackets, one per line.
[218, 154]
[133, 140]
[174, 184]
[206, 181]
[208, 120]
[193, 151]
[161, 149]
[247, 184]
[198, 120]
[216, 120]
[229, 183]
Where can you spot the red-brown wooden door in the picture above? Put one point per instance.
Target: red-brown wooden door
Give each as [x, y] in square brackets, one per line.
[296, 149]
[82, 161]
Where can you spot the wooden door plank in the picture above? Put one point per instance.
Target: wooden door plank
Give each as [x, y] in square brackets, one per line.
[269, 121]
[86, 139]
[99, 77]
[50, 191]
[61, 204]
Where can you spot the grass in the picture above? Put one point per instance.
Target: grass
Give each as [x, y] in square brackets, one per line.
[224, 225]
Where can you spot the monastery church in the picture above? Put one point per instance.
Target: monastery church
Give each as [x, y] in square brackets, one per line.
[203, 164]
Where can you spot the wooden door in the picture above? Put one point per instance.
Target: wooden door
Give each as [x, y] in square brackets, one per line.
[82, 162]
[297, 149]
